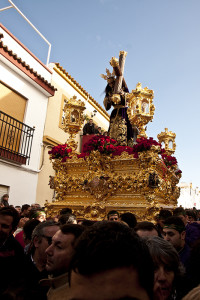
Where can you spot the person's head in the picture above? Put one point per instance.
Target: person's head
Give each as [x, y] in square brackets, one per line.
[162, 216]
[111, 81]
[180, 212]
[99, 129]
[5, 197]
[129, 218]
[59, 253]
[90, 121]
[9, 219]
[42, 238]
[87, 223]
[38, 214]
[109, 262]
[113, 215]
[65, 210]
[174, 232]
[105, 133]
[146, 229]
[67, 219]
[25, 210]
[191, 215]
[167, 267]
[18, 208]
[28, 228]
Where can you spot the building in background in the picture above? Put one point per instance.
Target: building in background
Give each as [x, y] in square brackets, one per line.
[67, 87]
[189, 196]
[24, 92]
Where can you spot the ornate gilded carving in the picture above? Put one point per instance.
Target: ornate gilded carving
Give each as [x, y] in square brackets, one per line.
[102, 179]
[118, 130]
[168, 138]
[141, 107]
[73, 119]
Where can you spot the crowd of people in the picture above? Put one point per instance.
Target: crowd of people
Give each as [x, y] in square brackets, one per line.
[62, 257]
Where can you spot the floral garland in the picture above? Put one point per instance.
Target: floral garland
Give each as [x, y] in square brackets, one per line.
[60, 151]
[108, 146]
[144, 144]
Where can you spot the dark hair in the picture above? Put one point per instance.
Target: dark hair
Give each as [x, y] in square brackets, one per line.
[29, 227]
[112, 212]
[177, 222]
[39, 229]
[38, 232]
[108, 245]
[191, 213]
[145, 225]
[36, 212]
[164, 214]
[66, 219]
[87, 223]
[11, 211]
[163, 252]
[74, 229]
[65, 211]
[179, 211]
[25, 207]
[129, 218]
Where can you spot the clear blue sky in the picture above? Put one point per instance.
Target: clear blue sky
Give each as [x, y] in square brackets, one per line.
[162, 38]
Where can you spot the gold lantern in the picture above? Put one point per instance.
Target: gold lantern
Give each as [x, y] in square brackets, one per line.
[168, 138]
[73, 119]
[141, 108]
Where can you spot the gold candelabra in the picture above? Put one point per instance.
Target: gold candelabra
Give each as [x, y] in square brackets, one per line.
[168, 139]
[73, 120]
[141, 108]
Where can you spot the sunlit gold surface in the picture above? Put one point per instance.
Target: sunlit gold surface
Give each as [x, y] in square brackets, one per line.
[73, 120]
[101, 183]
[168, 138]
[141, 107]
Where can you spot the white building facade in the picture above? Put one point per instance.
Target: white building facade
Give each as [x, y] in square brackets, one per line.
[24, 92]
[189, 196]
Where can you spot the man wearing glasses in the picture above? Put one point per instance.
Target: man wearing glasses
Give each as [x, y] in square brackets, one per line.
[36, 258]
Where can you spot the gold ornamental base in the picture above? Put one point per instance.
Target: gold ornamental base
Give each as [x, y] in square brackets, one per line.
[101, 183]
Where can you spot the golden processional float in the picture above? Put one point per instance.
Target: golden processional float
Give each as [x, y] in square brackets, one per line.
[128, 175]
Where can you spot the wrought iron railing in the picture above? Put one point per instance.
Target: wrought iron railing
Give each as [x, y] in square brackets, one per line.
[15, 139]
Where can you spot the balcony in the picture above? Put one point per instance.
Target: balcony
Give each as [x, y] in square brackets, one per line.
[15, 139]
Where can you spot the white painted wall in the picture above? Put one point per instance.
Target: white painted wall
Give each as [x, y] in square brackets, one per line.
[22, 183]
[22, 180]
[22, 53]
[35, 110]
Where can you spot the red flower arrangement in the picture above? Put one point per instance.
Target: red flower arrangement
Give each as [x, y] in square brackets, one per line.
[169, 160]
[60, 151]
[120, 149]
[144, 144]
[104, 144]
